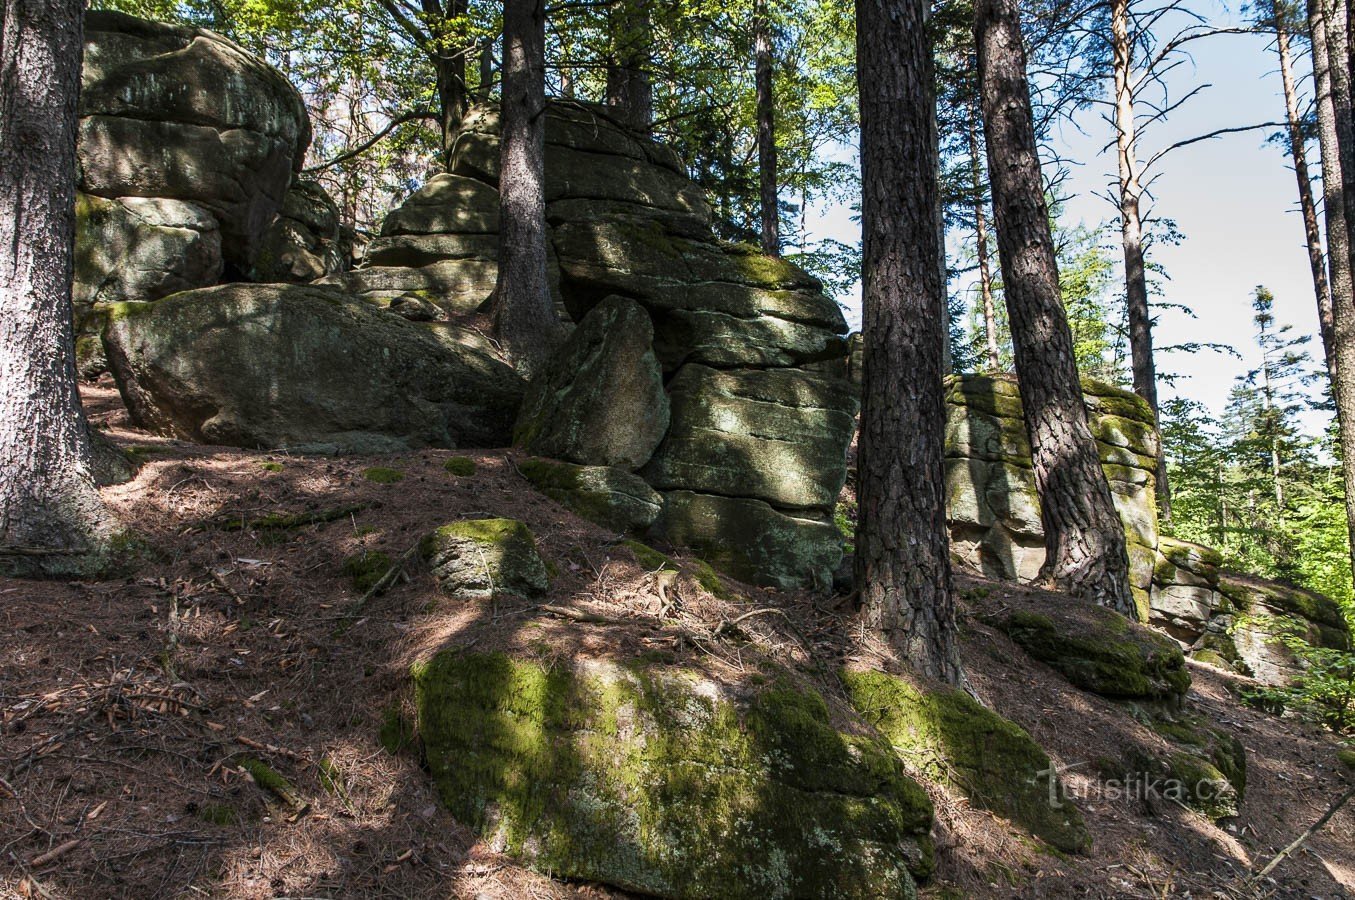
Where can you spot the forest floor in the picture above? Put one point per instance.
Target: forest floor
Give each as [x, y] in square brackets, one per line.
[128, 705]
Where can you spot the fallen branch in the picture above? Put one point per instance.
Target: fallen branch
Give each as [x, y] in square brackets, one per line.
[54, 854]
[268, 779]
[728, 625]
[382, 584]
[1298, 841]
[275, 521]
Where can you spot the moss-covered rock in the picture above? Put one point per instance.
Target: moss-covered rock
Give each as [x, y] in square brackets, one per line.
[994, 762]
[383, 475]
[1101, 651]
[1346, 757]
[605, 495]
[1207, 771]
[657, 781]
[482, 558]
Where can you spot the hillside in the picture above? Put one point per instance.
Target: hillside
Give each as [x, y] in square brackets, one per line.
[126, 719]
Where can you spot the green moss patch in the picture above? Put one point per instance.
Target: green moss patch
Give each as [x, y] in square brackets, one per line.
[271, 466]
[366, 568]
[460, 466]
[650, 558]
[1101, 651]
[658, 782]
[1346, 757]
[383, 475]
[952, 739]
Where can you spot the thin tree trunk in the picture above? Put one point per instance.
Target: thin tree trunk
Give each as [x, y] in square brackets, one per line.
[48, 501]
[449, 69]
[486, 69]
[1298, 153]
[524, 315]
[1332, 92]
[629, 91]
[766, 129]
[981, 242]
[902, 549]
[1142, 363]
[1084, 537]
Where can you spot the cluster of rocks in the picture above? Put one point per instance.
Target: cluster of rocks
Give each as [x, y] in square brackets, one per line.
[188, 152]
[1237, 621]
[995, 527]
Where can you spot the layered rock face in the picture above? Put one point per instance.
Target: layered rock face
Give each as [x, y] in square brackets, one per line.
[689, 361]
[188, 147]
[995, 526]
[992, 504]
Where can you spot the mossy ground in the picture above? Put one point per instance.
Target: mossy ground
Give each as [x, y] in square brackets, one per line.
[460, 466]
[383, 475]
[366, 568]
[645, 780]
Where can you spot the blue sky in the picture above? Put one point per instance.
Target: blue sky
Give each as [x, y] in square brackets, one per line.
[1234, 199]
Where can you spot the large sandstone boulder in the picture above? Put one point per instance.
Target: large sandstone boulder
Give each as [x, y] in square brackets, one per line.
[664, 782]
[182, 113]
[305, 368]
[305, 240]
[600, 401]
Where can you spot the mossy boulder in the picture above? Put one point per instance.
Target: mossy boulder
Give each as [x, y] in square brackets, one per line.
[600, 400]
[1207, 770]
[604, 495]
[662, 782]
[478, 559]
[952, 739]
[305, 368]
[1100, 651]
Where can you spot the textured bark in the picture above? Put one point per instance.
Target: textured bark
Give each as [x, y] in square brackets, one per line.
[981, 242]
[766, 130]
[449, 69]
[629, 91]
[1084, 537]
[486, 69]
[1298, 153]
[902, 545]
[1335, 141]
[524, 315]
[1142, 363]
[48, 501]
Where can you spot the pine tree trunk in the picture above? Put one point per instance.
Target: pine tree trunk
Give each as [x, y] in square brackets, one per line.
[1142, 363]
[1084, 537]
[1337, 144]
[524, 315]
[486, 69]
[1298, 153]
[48, 502]
[766, 130]
[629, 91]
[981, 242]
[902, 549]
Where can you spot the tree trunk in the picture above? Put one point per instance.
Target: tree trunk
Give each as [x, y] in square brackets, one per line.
[766, 129]
[48, 501]
[1337, 144]
[981, 242]
[449, 68]
[1298, 153]
[1084, 537]
[902, 549]
[1142, 364]
[486, 69]
[629, 90]
[524, 315]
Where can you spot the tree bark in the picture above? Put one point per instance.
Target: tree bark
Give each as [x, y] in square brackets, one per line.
[449, 67]
[629, 91]
[1337, 145]
[48, 501]
[1142, 363]
[1084, 537]
[981, 242]
[524, 315]
[766, 129]
[902, 549]
[486, 70]
[1298, 153]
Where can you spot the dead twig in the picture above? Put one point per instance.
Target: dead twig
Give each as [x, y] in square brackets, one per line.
[54, 854]
[1298, 841]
